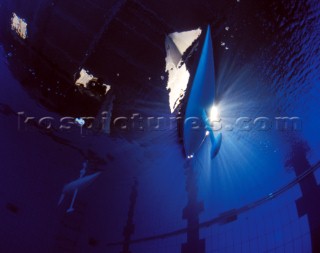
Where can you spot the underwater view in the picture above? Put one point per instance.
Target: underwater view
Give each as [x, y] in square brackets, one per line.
[131, 126]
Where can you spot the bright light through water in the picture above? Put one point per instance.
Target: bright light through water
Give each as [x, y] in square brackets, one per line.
[178, 75]
[19, 25]
[247, 157]
[214, 113]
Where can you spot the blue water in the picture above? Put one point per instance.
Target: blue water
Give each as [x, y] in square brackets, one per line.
[270, 69]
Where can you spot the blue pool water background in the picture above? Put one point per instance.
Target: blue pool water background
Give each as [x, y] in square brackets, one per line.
[278, 78]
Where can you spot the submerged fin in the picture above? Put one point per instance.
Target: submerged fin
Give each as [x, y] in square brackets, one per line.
[216, 145]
